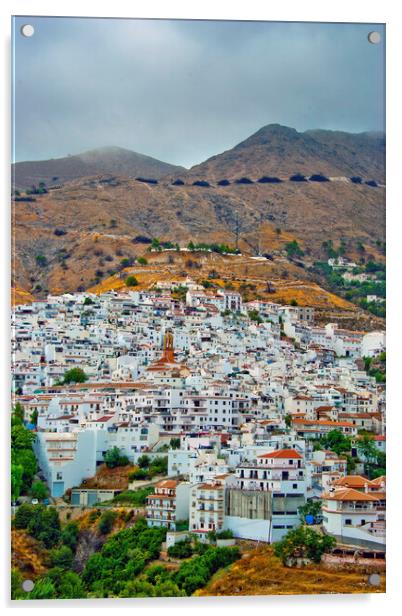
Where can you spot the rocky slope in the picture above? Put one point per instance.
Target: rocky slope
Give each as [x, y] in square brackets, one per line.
[277, 150]
[77, 234]
[102, 160]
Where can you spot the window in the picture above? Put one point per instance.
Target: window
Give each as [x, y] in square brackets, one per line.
[59, 476]
[348, 522]
[294, 486]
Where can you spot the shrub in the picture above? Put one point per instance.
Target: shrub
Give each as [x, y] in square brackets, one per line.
[178, 183]
[225, 534]
[182, 549]
[223, 183]
[298, 177]
[356, 179]
[39, 490]
[41, 260]
[244, 180]
[372, 183]
[126, 262]
[70, 535]
[61, 557]
[142, 261]
[75, 375]
[318, 177]
[266, 179]
[59, 232]
[134, 497]
[175, 442]
[114, 458]
[142, 239]
[131, 281]
[201, 183]
[195, 573]
[106, 522]
[147, 180]
[293, 249]
[303, 542]
[139, 475]
[41, 522]
[143, 461]
[23, 516]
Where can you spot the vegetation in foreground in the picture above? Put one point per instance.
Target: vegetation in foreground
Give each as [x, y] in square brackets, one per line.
[121, 567]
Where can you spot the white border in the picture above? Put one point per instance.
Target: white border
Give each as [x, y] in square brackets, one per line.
[368, 11]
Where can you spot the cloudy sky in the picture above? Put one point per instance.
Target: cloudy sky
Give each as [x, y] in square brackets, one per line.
[182, 91]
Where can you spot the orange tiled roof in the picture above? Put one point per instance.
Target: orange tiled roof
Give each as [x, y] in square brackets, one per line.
[349, 494]
[166, 483]
[282, 454]
[353, 481]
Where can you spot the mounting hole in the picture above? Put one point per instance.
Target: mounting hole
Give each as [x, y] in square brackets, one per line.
[374, 579]
[27, 585]
[27, 30]
[374, 37]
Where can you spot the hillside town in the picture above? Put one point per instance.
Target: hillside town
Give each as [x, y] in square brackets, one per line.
[242, 400]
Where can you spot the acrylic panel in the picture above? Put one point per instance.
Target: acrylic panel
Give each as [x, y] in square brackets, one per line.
[198, 308]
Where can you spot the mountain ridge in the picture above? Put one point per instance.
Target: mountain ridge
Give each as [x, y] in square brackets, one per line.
[104, 160]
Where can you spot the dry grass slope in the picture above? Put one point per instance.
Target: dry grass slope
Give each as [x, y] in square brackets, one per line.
[261, 573]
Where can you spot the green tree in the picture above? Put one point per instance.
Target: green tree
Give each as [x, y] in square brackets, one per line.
[311, 507]
[175, 442]
[336, 441]
[34, 417]
[254, 315]
[182, 549]
[139, 474]
[39, 490]
[61, 557]
[27, 460]
[68, 584]
[144, 461]
[114, 458]
[131, 281]
[16, 480]
[21, 438]
[142, 261]
[70, 535]
[75, 375]
[366, 448]
[106, 522]
[303, 542]
[23, 516]
[41, 260]
[18, 414]
[293, 249]
[288, 420]
[41, 522]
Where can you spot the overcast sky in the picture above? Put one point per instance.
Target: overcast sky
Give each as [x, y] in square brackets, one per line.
[182, 91]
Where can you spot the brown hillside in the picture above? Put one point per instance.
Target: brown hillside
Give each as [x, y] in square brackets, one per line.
[94, 162]
[99, 220]
[261, 573]
[87, 226]
[282, 151]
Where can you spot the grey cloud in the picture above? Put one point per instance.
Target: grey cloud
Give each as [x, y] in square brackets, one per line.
[183, 91]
